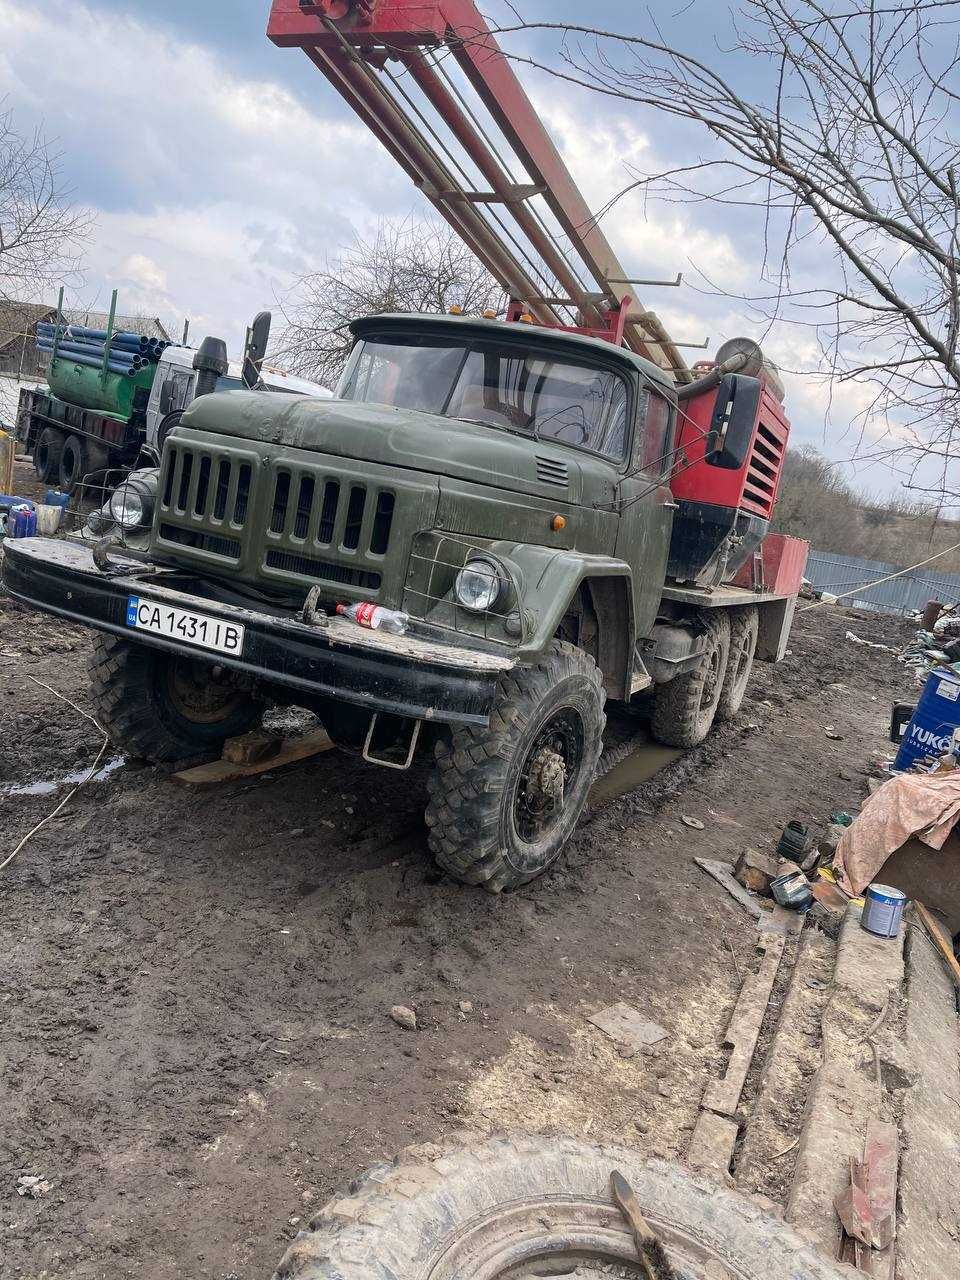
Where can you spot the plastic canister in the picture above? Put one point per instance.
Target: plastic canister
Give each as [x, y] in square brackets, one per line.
[883, 908]
[930, 731]
[54, 498]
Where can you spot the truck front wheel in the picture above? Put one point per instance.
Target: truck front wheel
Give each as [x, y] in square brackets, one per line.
[505, 798]
[163, 706]
[685, 707]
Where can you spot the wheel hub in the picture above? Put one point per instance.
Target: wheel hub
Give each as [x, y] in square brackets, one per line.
[196, 695]
[548, 776]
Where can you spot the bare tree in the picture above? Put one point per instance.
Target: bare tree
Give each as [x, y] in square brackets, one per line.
[851, 152]
[41, 232]
[406, 266]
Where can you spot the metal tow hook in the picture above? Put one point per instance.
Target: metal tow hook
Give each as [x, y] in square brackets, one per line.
[310, 614]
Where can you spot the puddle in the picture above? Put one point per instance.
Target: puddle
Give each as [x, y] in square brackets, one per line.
[648, 759]
[47, 786]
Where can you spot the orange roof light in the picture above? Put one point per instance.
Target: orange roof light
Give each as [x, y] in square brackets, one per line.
[455, 310]
[489, 315]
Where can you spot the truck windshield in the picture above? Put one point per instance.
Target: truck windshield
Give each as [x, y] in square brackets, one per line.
[499, 386]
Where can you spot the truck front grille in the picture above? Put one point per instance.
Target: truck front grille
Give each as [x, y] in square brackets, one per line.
[288, 519]
[186, 487]
[322, 512]
[306, 567]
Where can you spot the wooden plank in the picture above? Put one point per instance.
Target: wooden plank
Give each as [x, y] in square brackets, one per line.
[215, 772]
[722, 872]
[938, 938]
[775, 920]
[723, 1095]
[711, 1144]
[253, 747]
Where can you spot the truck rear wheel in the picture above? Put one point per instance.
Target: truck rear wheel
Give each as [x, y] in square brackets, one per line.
[82, 461]
[744, 629]
[685, 707]
[46, 455]
[73, 464]
[163, 706]
[505, 798]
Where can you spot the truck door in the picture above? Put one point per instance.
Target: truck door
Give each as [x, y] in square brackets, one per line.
[172, 389]
[646, 506]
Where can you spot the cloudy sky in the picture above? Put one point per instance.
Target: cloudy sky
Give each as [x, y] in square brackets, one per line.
[220, 168]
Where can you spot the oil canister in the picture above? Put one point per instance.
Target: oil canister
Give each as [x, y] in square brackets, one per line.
[883, 909]
[930, 731]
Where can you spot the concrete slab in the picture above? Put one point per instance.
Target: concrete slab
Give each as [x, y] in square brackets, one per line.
[928, 1245]
[845, 1093]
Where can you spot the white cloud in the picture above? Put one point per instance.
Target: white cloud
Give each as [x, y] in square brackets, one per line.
[211, 191]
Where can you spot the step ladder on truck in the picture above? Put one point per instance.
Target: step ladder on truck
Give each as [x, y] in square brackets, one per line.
[550, 509]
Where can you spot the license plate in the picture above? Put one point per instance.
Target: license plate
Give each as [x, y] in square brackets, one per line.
[181, 624]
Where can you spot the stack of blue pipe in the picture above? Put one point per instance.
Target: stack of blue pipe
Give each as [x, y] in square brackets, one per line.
[129, 352]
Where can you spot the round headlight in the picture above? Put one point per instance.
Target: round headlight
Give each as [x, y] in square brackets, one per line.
[131, 504]
[478, 585]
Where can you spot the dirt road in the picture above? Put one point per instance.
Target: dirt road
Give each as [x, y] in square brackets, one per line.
[195, 986]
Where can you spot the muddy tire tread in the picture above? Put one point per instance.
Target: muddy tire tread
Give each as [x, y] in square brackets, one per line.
[390, 1223]
[676, 707]
[120, 690]
[463, 812]
[741, 621]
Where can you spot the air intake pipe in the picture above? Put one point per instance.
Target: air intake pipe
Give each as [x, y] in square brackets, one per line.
[737, 355]
[210, 363]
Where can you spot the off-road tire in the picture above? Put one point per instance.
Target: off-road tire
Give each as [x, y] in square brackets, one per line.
[744, 629]
[474, 787]
[685, 707]
[512, 1205]
[132, 702]
[73, 464]
[46, 455]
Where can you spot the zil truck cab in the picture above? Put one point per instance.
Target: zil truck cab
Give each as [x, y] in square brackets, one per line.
[558, 524]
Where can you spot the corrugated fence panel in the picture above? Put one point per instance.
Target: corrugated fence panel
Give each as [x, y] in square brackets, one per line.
[906, 594]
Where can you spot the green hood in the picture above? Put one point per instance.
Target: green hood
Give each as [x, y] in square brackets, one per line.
[405, 438]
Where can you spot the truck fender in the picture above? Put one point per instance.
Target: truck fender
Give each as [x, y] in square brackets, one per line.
[552, 582]
[674, 649]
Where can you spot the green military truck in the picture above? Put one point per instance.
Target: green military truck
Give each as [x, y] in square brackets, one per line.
[507, 490]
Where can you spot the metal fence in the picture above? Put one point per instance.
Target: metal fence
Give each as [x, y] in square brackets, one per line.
[906, 594]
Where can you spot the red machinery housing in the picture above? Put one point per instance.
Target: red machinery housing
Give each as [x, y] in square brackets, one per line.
[724, 507]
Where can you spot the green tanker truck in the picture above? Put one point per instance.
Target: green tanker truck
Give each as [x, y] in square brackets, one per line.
[112, 397]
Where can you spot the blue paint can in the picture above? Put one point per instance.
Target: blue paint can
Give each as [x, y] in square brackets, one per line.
[929, 734]
[883, 909]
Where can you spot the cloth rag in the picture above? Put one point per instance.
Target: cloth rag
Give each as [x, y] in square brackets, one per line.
[910, 804]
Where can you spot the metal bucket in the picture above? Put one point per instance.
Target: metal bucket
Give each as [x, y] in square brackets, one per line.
[883, 909]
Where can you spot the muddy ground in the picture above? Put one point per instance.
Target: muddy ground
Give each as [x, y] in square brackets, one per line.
[195, 985]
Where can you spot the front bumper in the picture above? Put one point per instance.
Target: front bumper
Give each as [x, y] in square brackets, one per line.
[400, 675]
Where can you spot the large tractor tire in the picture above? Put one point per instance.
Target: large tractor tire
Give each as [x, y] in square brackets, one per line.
[162, 706]
[504, 799]
[519, 1207]
[744, 629]
[685, 707]
[46, 455]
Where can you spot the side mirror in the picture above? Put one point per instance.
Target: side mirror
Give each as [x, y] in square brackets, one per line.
[734, 418]
[166, 397]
